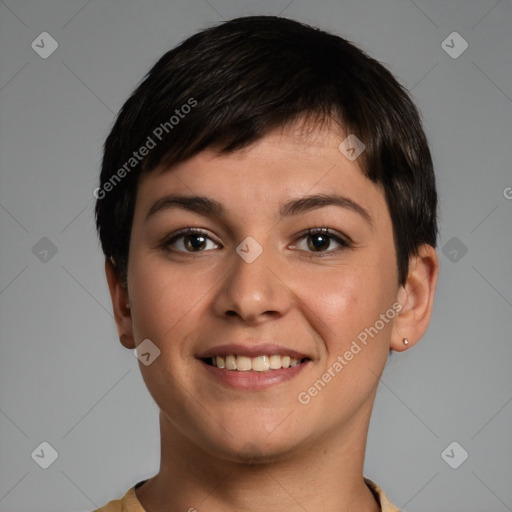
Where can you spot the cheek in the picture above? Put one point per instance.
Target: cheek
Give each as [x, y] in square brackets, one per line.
[343, 301]
[165, 299]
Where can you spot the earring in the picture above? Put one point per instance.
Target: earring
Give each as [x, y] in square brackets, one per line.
[406, 341]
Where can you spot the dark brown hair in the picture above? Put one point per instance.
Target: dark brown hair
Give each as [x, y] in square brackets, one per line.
[228, 86]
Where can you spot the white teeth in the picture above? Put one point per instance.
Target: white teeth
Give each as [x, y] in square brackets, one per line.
[230, 363]
[243, 363]
[261, 363]
[275, 362]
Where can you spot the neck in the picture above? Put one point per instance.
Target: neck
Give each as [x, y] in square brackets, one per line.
[325, 475]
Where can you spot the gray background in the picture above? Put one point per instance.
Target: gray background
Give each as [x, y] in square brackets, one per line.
[65, 378]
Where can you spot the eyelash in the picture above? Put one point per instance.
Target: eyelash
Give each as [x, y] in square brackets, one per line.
[344, 242]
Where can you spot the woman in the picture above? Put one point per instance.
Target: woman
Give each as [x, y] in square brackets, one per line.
[268, 213]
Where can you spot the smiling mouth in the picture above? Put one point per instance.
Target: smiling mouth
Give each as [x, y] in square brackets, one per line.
[262, 363]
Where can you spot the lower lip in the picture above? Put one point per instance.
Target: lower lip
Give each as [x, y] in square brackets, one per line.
[251, 380]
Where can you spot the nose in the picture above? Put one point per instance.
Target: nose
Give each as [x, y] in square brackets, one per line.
[254, 292]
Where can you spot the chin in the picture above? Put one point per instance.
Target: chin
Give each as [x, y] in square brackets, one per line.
[256, 449]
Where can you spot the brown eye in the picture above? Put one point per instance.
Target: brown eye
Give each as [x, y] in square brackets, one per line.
[189, 240]
[320, 240]
[194, 242]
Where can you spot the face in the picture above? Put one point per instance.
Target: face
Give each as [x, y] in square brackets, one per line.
[263, 276]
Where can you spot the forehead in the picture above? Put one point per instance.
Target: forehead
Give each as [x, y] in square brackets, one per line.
[288, 162]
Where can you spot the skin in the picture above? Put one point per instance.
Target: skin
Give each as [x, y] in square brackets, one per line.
[230, 449]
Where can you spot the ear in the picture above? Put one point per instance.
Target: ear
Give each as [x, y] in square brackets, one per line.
[417, 299]
[120, 305]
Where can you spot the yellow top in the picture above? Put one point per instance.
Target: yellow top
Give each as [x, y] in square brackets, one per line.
[130, 503]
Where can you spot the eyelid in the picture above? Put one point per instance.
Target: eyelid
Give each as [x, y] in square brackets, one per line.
[341, 239]
[344, 241]
[327, 231]
[167, 240]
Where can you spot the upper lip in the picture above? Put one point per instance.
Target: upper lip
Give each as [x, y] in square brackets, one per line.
[254, 350]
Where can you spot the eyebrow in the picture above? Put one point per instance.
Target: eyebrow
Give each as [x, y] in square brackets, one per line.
[206, 206]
